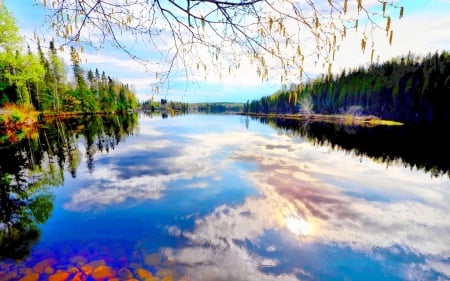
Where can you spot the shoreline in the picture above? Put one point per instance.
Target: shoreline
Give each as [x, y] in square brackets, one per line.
[368, 120]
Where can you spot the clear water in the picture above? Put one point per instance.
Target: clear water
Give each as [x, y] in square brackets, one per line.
[215, 197]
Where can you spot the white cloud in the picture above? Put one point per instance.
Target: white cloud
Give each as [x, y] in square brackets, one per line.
[415, 33]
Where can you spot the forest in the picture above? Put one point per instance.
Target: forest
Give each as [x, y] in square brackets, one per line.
[40, 79]
[409, 89]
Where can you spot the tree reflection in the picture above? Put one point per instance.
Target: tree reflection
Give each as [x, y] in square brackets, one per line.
[423, 147]
[31, 166]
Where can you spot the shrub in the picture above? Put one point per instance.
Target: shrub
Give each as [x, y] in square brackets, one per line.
[16, 116]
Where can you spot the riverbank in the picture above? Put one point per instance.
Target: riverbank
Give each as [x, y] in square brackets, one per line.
[335, 118]
[12, 116]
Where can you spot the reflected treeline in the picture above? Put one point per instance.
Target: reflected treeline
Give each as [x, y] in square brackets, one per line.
[28, 169]
[424, 147]
[164, 114]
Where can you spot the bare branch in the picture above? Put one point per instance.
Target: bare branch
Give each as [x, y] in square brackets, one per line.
[276, 35]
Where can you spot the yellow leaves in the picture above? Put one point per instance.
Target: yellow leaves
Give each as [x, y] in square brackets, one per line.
[329, 70]
[388, 24]
[281, 28]
[345, 7]
[66, 31]
[359, 5]
[317, 22]
[61, 48]
[270, 23]
[363, 44]
[391, 34]
[261, 32]
[299, 51]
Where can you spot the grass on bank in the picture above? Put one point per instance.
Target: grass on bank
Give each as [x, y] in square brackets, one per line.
[344, 119]
[17, 122]
[12, 115]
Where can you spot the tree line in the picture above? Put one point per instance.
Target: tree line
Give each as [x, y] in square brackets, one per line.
[406, 89]
[41, 79]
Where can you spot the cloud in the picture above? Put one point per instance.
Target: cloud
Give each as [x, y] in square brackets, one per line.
[414, 33]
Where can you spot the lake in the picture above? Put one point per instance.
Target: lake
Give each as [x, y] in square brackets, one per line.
[223, 197]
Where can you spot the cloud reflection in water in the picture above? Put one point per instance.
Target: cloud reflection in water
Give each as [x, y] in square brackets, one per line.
[295, 181]
[309, 195]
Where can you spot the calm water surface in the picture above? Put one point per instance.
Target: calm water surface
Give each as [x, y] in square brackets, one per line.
[211, 197]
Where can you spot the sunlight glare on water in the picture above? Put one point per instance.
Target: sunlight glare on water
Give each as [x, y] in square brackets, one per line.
[298, 225]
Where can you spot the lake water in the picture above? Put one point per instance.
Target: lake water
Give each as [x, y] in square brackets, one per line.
[217, 197]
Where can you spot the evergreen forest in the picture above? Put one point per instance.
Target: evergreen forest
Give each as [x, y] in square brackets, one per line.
[40, 79]
[409, 89]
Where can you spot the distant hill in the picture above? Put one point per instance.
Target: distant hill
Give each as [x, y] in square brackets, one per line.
[216, 107]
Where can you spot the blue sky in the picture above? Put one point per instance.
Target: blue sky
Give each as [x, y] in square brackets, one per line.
[425, 28]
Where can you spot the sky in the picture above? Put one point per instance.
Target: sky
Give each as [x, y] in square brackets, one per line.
[425, 28]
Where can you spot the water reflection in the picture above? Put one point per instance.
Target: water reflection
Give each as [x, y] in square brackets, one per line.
[30, 166]
[423, 147]
[325, 202]
[195, 198]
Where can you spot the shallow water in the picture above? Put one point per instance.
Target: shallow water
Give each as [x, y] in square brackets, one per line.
[218, 197]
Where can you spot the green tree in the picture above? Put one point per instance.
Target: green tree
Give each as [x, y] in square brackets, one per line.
[59, 75]
[9, 31]
[19, 70]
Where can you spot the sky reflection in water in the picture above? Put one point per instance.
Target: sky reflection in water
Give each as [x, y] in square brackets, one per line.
[229, 203]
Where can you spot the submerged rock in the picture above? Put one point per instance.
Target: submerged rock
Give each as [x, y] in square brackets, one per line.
[30, 277]
[102, 272]
[40, 267]
[125, 274]
[143, 273]
[59, 276]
